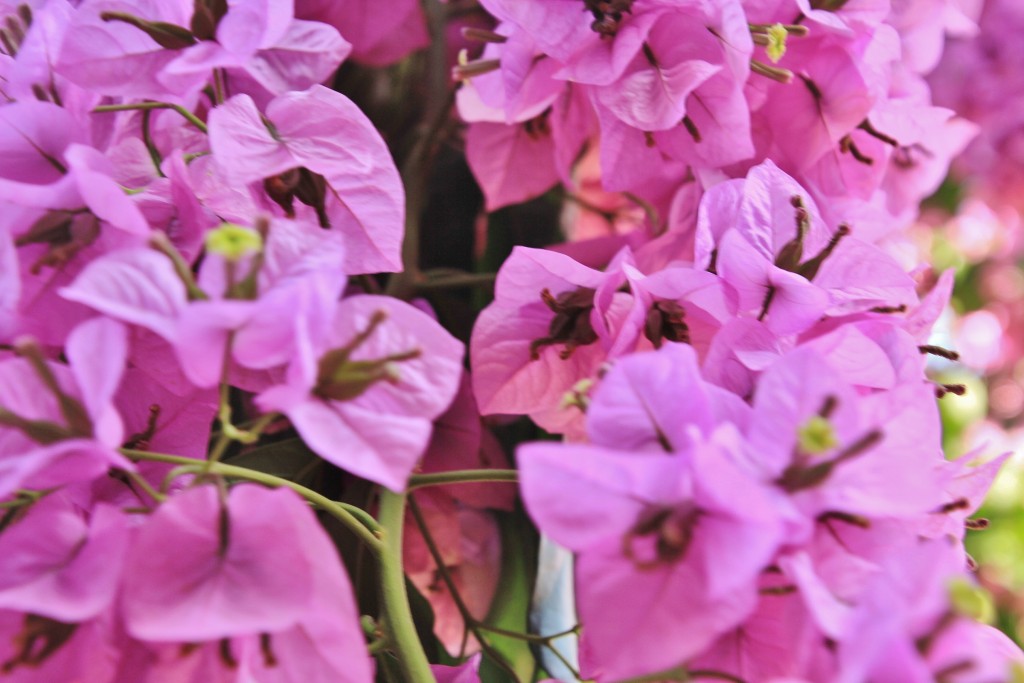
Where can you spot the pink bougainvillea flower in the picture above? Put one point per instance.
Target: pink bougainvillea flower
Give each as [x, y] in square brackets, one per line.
[200, 569]
[298, 278]
[765, 238]
[59, 424]
[468, 540]
[901, 604]
[559, 26]
[146, 49]
[365, 396]
[33, 138]
[512, 163]
[637, 407]
[318, 147]
[835, 451]
[991, 655]
[38, 649]
[521, 90]
[837, 82]
[965, 493]
[554, 322]
[277, 615]
[539, 337]
[651, 532]
[62, 563]
[686, 58]
[775, 644]
[460, 441]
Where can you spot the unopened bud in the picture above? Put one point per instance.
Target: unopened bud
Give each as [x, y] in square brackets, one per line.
[233, 242]
[970, 600]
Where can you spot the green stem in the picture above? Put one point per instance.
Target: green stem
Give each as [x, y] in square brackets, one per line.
[462, 477]
[718, 675]
[219, 89]
[144, 106]
[147, 140]
[163, 244]
[218, 450]
[141, 482]
[680, 673]
[394, 599]
[416, 167]
[528, 637]
[359, 526]
[464, 281]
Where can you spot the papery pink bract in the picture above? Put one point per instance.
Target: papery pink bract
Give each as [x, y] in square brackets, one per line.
[324, 132]
[382, 430]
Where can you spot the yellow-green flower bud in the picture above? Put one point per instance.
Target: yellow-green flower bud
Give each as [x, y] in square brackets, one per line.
[233, 242]
[971, 601]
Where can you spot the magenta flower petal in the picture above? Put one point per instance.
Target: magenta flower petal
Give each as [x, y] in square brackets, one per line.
[55, 563]
[137, 286]
[323, 131]
[511, 163]
[201, 569]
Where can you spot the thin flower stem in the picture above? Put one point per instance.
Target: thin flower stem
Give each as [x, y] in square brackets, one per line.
[397, 616]
[471, 623]
[465, 280]
[718, 675]
[147, 140]
[23, 497]
[223, 441]
[146, 486]
[565, 662]
[415, 169]
[676, 674]
[179, 471]
[144, 106]
[362, 526]
[539, 640]
[182, 268]
[418, 481]
[649, 211]
[219, 87]
[529, 637]
[680, 673]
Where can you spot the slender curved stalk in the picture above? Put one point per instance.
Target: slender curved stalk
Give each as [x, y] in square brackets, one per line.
[418, 481]
[398, 620]
[362, 526]
[145, 106]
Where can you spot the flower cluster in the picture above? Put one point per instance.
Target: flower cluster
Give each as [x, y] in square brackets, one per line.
[978, 77]
[739, 498]
[677, 96]
[184, 205]
[754, 472]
